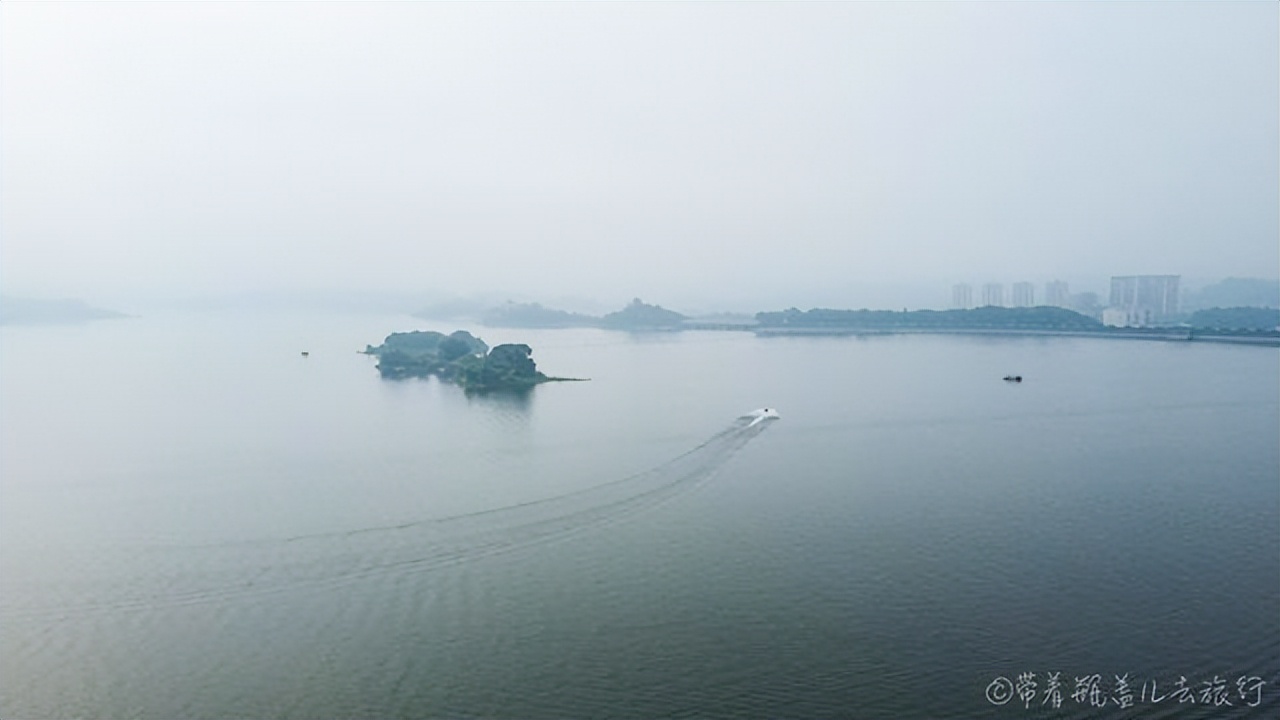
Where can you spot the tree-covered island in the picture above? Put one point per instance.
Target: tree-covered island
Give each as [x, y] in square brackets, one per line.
[459, 358]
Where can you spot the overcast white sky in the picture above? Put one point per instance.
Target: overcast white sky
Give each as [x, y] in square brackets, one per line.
[680, 152]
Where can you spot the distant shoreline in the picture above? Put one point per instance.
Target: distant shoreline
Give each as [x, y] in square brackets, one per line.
[1174, 335]
[31, 311]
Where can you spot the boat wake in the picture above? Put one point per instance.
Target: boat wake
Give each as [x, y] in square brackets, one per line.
[172, 576]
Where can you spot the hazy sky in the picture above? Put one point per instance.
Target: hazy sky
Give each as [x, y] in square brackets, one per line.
[673, 151]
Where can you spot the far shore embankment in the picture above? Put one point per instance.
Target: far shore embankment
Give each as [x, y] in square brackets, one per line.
[1167, 335]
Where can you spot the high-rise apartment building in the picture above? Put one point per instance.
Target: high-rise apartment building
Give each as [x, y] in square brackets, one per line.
[962, 296]
[1142, 300]
[1057, 294]
[1024, 294]
[993, 294]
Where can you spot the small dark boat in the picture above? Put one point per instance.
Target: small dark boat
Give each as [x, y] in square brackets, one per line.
[307, 354]
[1013, 378]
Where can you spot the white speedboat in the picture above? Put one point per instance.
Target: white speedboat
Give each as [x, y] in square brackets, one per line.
[759, 416]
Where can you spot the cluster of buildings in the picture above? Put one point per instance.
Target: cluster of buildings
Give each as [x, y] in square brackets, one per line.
[1135, 300]
[1142, 300]
[1023, 295]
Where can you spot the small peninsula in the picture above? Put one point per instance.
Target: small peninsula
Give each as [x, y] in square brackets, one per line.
[459, 358]
[636, 316]
[32, 311]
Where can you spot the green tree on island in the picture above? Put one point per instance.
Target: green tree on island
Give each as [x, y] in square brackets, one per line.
[506, 366]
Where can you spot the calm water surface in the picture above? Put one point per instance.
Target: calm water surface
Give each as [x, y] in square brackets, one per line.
[195, 521]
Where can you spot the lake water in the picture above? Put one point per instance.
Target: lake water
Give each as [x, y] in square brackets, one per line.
[197, 522]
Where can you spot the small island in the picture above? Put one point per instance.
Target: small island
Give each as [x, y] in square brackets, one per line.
[459, 358]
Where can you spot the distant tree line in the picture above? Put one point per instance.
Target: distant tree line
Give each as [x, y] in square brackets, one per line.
[1037, 318]
[1236, 318]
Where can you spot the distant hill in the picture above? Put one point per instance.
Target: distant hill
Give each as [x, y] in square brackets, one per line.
[533, 315]
[1235, 293]
[30, 311]
[638, 316]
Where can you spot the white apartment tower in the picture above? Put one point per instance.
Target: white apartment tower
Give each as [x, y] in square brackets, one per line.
[1024, 294]
[993, 294]
[1143, 300]
[1057, 294]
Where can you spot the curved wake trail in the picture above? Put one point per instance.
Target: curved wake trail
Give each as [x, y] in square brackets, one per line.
[181, 576]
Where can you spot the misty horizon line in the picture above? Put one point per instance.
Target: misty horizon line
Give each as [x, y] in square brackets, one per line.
[409, 302]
